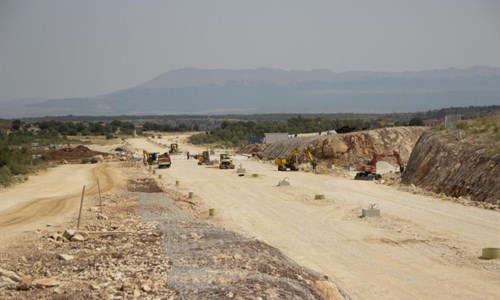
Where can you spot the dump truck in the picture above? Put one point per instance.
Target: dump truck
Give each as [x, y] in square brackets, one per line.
[164, 160]
[226, 162]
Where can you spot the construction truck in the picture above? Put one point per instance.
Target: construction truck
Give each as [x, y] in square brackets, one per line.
[296, 157]
[226, 162]
[174, 149]
[164, 160]
[204, 158]
[149, 158]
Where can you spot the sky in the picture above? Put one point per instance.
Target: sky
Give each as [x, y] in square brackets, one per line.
[81, 48]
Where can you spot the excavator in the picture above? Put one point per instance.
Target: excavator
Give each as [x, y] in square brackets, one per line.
[400, 162]
[368, 170]
[294, 159]
[226, 162]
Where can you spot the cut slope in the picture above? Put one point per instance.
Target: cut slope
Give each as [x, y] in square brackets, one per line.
[350, 148]
[466, 166]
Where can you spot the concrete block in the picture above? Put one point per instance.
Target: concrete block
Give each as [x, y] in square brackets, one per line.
[371, 212]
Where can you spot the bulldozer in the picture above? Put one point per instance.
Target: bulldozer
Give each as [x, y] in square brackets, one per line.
[174, 149]
[294, 159]
[226, 162]
[204, 158]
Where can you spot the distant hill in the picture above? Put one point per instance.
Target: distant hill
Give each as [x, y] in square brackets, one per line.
[195, 91]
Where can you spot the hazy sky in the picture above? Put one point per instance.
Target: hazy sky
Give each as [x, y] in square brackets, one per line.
[75, 48]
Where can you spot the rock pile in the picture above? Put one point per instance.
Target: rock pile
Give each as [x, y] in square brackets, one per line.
[116, 258]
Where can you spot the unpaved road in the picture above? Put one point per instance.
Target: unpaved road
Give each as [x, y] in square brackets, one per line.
[51, 197]
[421, 247]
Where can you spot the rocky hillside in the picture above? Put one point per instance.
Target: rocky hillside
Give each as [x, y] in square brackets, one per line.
[463, 162]
[351, 148]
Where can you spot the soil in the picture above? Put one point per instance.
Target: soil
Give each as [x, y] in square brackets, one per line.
[72, 154]
[406, 253]
[149, 242]
[264, 239]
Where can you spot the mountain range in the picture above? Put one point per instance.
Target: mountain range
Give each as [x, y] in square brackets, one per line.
[264, 90]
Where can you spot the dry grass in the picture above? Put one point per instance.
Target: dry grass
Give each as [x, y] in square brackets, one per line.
[482, 133]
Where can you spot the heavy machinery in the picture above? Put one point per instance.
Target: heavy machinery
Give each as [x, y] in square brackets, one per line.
[400, 162]
[226, 162]
[149, 158]
[294, 159]
[174, 149]
[203, 158]
[368, 170]
[164, 160]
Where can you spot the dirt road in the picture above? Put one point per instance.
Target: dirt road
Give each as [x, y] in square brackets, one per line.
[50, 198]
[421, 247]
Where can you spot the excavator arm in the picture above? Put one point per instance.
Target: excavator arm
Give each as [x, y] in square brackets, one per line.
[398, 159]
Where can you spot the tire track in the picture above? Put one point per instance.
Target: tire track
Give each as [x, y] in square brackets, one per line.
[51, 207]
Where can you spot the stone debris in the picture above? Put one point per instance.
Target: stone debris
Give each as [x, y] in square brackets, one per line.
[66, 257]
[69, 233]
[77, 238]
[46, 282]
[101, 216]
[152, 246]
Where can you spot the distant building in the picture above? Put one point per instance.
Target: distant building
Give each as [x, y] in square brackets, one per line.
[384, 123]
[275, 137]
[431, 122]
[256, 140]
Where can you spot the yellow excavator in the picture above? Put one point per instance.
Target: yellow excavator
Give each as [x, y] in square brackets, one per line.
[296, 157]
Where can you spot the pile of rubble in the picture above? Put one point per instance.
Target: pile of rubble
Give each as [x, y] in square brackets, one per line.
[78, 154]
[149, 244]
[115, 256]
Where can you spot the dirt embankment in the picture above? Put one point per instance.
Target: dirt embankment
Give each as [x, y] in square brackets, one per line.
[348, 149]
[456, 168]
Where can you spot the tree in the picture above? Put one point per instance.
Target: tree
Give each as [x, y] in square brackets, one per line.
[16, 124]
[416, 122]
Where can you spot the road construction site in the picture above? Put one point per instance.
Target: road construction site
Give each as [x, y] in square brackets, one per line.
[420, 246]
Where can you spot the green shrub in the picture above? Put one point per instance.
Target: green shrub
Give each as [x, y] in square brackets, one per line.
[5, 176]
